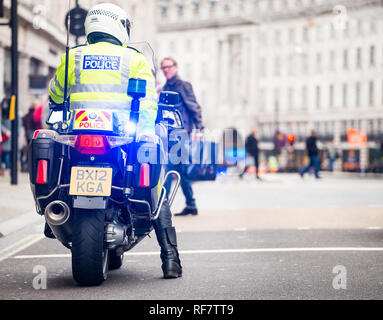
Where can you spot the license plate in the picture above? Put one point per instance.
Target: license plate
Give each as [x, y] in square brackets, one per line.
[90, 181]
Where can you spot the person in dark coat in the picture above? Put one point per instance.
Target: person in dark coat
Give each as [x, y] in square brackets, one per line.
[252, 149]
[29, 123]
[192, 117]
[313, 153]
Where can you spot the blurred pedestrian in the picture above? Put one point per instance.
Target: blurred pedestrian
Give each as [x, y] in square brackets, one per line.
[31, 122]
[252, 149]
[3, 138]
[38, 115]
[313, 153]
[6, 143]
[332, 155]
[192, 118]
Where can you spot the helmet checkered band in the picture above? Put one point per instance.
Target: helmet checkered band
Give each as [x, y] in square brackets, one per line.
[103, 13]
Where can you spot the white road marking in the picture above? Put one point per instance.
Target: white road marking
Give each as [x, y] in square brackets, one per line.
[240, 229]
[16, 243]
[20, 245]
[255, 250]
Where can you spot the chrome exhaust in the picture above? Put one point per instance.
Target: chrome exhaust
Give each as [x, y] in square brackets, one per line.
[57, 215]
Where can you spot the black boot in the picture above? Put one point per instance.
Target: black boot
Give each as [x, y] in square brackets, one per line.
[188, 210]
[171, 264]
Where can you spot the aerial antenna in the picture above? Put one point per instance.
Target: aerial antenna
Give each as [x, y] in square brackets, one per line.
[66, 102]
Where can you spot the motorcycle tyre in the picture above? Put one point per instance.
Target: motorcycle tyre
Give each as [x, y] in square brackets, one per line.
[90, 257]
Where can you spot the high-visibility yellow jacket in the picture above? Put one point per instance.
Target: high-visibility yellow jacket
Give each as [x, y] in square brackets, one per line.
[98, 77]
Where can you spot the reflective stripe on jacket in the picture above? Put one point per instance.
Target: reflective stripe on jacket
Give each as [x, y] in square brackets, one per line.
[98, 77]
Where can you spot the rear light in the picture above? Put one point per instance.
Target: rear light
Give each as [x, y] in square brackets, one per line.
[42, 172]
[67, 140]
[43, 133]
[118, 141]
[92, 144]
[145, 175]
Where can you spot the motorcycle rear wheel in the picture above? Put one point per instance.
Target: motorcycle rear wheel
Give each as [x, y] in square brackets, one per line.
[90, 256]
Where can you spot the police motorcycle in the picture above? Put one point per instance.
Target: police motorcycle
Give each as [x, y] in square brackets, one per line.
[97, 185]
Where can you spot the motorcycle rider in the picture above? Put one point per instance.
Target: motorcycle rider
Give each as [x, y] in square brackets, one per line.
[98, 78]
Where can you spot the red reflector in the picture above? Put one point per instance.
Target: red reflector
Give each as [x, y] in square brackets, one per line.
[42, 172]
[145, 175]
[90, 144]
[47, 132]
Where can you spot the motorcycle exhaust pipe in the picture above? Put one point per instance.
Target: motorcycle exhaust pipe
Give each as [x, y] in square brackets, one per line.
[57, 215]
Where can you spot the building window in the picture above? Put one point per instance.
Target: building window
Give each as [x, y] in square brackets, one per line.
[277, 67]
[331, 96]
[318, 97]
[212, 4]
[332, 31]
[360, 27]
[346, 31]
[180, 9]
[371, 127]
[262, 67]
[277, 37]
[263, 38]
[345, 92]
[319, 33]
[319, 62]
[304, 98]
[196, 5]
[344, 127]
[261, 99]
[164, 9]
[305, 65]
[359, 58]
[276, 100]
[290, 65]
[332, 61]
[382, 92]
[373, 26]
[357, 94]
[189, 46]
[371, 93]
[372, 56]
[380, 126]
[172, 47]
[291, 36]
[291, 98]
[345, 59]
[305, 35]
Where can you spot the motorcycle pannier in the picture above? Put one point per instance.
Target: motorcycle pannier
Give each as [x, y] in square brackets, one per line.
[43, 162]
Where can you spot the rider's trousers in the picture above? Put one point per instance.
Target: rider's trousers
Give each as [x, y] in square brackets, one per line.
[165, 217]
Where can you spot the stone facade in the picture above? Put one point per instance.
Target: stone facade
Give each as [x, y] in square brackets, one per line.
[295, 65]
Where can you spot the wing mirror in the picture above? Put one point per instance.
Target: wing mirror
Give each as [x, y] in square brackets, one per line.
[168, 114]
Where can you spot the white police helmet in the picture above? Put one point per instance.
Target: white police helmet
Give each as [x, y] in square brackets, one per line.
[110, 19]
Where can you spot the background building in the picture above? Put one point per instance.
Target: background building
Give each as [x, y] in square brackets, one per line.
[292, 65]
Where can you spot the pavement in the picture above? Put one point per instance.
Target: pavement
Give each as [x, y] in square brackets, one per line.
[339, 193]
[17, 207]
